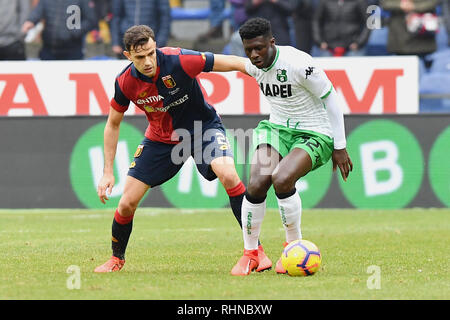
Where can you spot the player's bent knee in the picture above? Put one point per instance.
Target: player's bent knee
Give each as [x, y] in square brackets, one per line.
[226, 172]
[229, 179]
[258, 187]
[127, 208]
[282, 183]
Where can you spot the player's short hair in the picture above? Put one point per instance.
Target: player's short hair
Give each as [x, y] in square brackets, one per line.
[255, 27]
[137, 36]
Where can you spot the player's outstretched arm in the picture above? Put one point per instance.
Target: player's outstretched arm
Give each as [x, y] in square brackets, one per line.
[224, 63]
[111, 137]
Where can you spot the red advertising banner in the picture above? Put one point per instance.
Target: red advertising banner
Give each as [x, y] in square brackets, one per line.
[366, 85]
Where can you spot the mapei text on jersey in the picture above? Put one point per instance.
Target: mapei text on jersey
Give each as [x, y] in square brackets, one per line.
[275, 90]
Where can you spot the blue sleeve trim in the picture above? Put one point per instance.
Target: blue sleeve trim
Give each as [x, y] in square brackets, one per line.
[119, 97]
[209, 64]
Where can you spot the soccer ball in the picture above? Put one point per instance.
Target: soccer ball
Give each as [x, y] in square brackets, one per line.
[301, 258]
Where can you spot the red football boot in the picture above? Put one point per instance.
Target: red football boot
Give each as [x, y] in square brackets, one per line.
[112, 265]
[246, 264]
[279, 267]
[264, 262]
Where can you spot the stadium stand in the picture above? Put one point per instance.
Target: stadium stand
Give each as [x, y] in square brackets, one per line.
[194, 13]
[441, 62]
[441, 38]
[376, 46]
[435, 92]
[434, 84]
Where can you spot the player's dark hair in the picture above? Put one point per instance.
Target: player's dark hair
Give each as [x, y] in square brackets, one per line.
[255, 27]
[137, 36]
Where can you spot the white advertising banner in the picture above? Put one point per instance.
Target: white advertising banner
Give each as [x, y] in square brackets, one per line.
[366, 85]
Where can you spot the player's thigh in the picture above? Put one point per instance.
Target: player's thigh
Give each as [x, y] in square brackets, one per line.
[225, 170]
[154, 163]
[217, 159]
[264, 161]
[319, 148]
[308, 152]
[291, 168]
[134, 191]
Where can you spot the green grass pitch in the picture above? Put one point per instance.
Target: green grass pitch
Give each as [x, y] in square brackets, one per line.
[188, 254]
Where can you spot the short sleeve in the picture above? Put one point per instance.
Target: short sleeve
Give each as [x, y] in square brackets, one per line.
[250, 68]
[119, 102]
[194, 62]
[313, 78]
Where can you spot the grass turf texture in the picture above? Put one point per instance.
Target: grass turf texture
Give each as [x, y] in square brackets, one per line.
[188, 255]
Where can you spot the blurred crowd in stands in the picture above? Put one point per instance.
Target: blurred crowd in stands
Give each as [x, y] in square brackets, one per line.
[326, 28]
[319, 27]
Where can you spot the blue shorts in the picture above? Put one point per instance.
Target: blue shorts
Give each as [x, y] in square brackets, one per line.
[156, 162]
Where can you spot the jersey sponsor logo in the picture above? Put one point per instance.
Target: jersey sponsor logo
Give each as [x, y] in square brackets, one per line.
[176, 102]
[275, 90]
[174, 91]
[168, 81]
[281, 75]
[151, 99]
[150, 109]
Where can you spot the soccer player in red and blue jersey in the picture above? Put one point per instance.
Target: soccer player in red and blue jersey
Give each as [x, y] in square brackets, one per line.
[162, 82]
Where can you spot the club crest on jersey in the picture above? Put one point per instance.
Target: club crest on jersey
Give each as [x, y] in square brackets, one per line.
[142, 94]
[139, 150]
[281, 75]
[168, 81]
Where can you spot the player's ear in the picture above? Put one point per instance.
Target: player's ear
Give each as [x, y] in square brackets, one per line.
[127, 54]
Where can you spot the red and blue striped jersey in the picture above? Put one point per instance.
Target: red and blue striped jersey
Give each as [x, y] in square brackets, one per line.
[173, 98]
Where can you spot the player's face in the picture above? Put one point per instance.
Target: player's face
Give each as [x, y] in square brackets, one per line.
[144, 58]
[260, 51]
